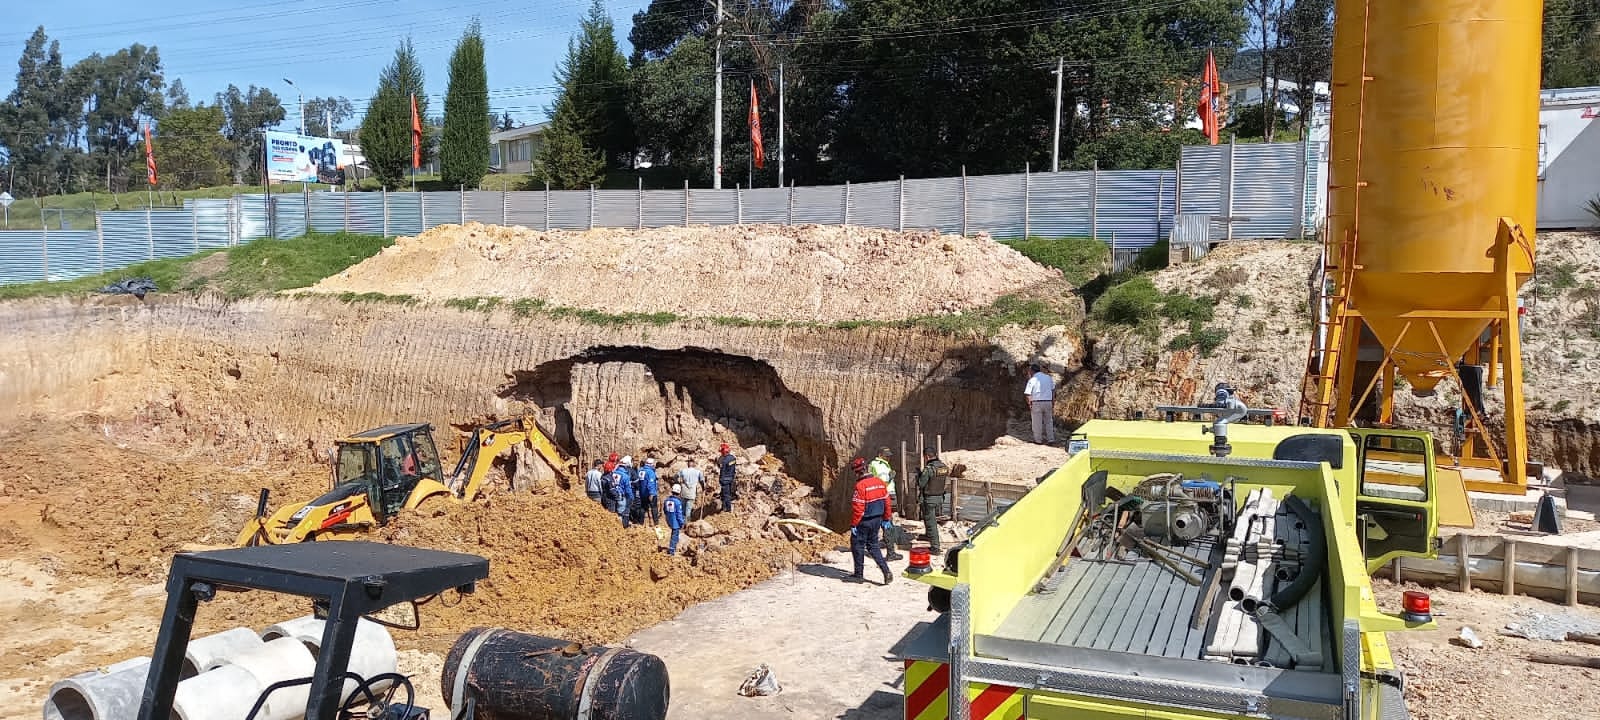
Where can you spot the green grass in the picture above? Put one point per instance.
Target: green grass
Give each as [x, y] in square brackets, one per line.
[78, 209]
[1081, 260]
[262, 266]
[1554, 278]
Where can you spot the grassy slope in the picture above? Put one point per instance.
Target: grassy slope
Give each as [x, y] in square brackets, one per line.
[257, 267]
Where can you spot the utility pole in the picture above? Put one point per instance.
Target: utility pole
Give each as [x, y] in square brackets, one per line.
[1055, 143]
[716, 112]
[301, 100]
[780, 124]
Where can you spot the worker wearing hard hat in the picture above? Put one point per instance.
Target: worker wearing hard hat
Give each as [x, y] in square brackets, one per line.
[727, 469]
[618, 491]
[884, 471]
[673, 508]
[649, 487]
[870, 508]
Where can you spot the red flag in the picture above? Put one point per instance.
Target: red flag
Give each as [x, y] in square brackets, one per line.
[1210, 97]
[416, 134]
[149, 157]
[755, 128]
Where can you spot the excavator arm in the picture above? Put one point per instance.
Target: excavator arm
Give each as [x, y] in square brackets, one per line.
[489, 441]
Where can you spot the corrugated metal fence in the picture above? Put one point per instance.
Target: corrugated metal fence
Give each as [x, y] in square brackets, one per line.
[1259, 191]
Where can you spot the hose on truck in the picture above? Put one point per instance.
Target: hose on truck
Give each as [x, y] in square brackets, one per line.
[1315, 559]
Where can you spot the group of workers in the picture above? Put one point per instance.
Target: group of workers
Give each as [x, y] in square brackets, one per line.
[633, 493]
[872, 510]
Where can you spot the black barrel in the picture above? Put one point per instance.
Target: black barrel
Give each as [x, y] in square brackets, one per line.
[516, 676]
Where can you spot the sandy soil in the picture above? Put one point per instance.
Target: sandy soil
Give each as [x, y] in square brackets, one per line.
[1009, 461]
[85, 544]
[814, 273]
[1446, 681]
[825, 641]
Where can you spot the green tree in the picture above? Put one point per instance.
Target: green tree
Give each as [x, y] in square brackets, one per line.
[39, 120]
[1571, 43]
[671, 104]
[506, 122]
[594, 86]
[464, 144]
[321, 111]
[190, 149]
[1307, 54]
[564, 161]
[246, 114]
[178, 96]
[386, 129]
[122, 91]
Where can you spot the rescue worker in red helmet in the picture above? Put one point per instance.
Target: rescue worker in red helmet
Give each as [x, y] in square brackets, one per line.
[870, 508]
[727, 469]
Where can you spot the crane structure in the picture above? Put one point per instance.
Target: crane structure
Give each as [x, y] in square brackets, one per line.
[1430, 228]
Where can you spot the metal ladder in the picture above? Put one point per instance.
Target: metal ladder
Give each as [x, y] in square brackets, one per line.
[1317, 396]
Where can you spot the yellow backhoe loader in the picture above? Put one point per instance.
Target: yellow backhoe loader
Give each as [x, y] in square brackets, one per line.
[379, 472]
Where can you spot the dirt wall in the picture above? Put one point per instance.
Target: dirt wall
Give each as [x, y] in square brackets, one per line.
[273, 378]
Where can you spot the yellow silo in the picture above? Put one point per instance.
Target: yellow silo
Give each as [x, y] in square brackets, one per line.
[1433, 167]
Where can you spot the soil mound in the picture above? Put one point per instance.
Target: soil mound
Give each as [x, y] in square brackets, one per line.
[760, 272]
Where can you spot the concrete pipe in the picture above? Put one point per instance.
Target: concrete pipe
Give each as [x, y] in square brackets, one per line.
[112, 694]
[212, 650]
[222, 693]
[276, 661]
[372, 654]
[516, 676]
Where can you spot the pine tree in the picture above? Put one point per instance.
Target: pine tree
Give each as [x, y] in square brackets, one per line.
[564, 161]
[594, 83]
[386, 130]
[464, 147]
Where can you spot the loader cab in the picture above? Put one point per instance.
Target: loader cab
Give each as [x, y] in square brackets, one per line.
[1395, 503]
[388, 462]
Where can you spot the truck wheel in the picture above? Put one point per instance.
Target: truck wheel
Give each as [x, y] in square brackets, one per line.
[939, 599]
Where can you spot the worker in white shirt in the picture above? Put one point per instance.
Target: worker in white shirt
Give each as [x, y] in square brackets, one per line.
[1041, 393]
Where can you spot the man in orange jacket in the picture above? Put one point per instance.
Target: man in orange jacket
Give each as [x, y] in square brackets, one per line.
[870, 509]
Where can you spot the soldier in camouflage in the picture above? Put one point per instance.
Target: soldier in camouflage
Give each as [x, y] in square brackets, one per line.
[932, 484]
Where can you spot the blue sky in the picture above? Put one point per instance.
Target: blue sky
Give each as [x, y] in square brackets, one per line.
[327, 47]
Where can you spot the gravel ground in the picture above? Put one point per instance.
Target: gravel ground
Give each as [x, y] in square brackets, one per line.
[1446, 681]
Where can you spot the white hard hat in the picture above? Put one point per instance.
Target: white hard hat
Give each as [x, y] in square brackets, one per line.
[627, 460]
[676, 488]
[650, 461]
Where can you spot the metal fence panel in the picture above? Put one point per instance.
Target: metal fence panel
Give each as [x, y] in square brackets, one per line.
[1059, 204]
[994, 205]
[127, 238]
[713, 207]
[366, 213]
[819, 205]
[766, 205]
[1316, 185]
[173, 233]
[288, 216]
[22, 256]
[934, 203]
[663, 208]
[72, 253]
[616, 208]
[875, 204]
[1204, 183]
[1134, 209]
[569, 209]
[213, 222]
[439, 208]
[250, 222]
[405, 213]
[527, 209]
[1267, 189]
[487, 207]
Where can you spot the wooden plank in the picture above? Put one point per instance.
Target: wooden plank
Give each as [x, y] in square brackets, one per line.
[1572, 576]
[1508, 584]
[1464, 565]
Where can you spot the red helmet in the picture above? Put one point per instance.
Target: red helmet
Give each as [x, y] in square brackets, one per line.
[859, 464]
[723, 449]
[613, 457]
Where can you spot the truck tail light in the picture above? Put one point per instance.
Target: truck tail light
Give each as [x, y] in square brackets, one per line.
[1416, 606]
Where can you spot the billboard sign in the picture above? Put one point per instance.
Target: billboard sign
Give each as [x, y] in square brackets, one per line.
[306, 159]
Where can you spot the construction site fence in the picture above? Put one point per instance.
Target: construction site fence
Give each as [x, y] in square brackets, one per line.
[1243, 191]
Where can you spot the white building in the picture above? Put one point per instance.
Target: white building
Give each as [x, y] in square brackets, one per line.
[1569, 153]
[512, 151]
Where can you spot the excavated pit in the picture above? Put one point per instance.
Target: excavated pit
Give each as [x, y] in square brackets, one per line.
[636, 399]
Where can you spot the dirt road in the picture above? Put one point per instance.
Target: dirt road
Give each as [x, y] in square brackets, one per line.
[825, 640]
